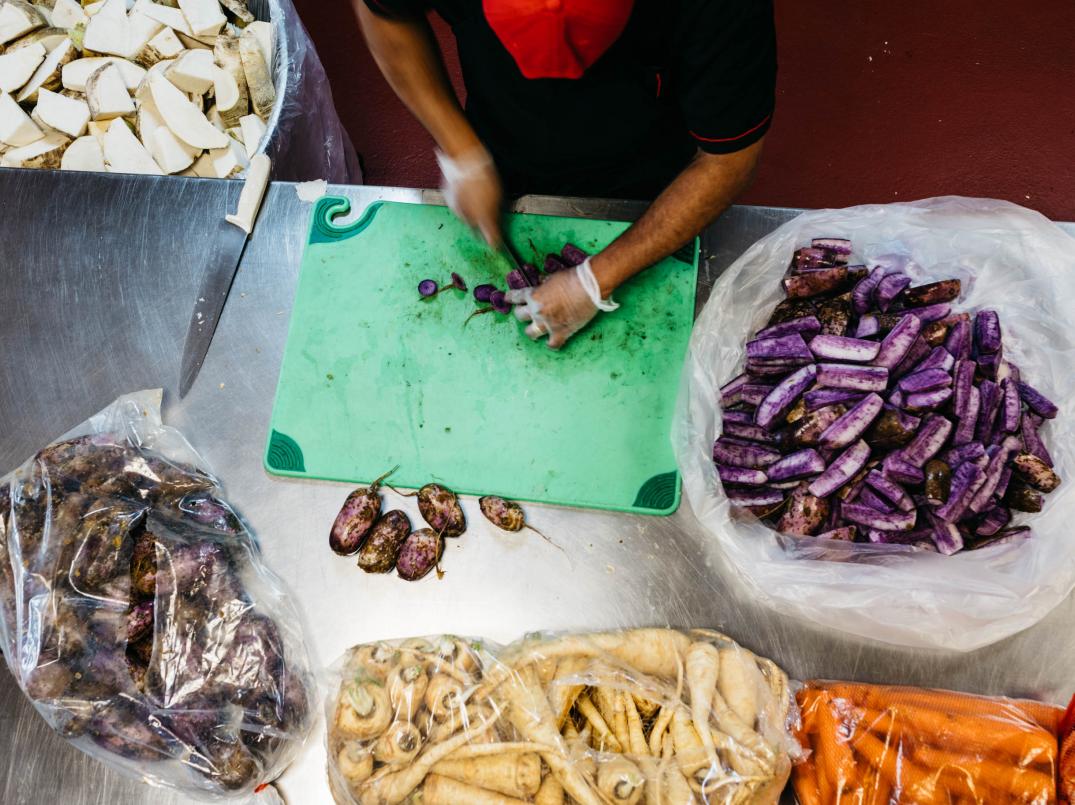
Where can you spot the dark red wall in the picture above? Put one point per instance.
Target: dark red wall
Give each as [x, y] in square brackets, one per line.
[877, 101]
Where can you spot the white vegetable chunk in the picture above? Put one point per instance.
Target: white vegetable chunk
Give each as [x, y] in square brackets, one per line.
[107, 94]
[124, 154]
[164, 46]
[171, 153]
[68, 14]
[16, 127]
[45, 12]
[140, 29]
[76, 73]
[18, 18]
[193, 71]
[262, 31]
[67, 115]
[98, 129]
[258, 81]
[49, 38]
[239, 10]
[84, 154]
[48, 73]
[165, 15]
[106, 31]
[203, 16]
[257, 179]
[203, 167]
[253, 130]
[17, 67]
[46, 152]
[229, 161]
[184, 119]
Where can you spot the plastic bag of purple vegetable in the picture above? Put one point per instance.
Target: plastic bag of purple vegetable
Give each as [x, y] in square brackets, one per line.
[136, 613]
[876, 416]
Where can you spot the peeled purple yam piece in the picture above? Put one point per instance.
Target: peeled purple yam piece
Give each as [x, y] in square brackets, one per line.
[1032, 442]
[967, 452]
[862, 294]
[762, 496]
[958, 340]
[835, 245]
[783, 396]
[938, 358]
[796, 466]
[992, 521]
[899, 339]
[807, 326]
[748, 431]
[782, 347]
[849, 427]
[882, 521]
[946, 536]
[741, 475]
[925, 380]
[821, 398]
[841, 470]
[989, 405]
[890, 491]
[928, 400]
[729, 392]
[742, 417]
[987, 337]
[929, 440]
[867, 497]
[963, 380]
[742, 455]
[914, 356]
[755, 393]
[856, 378]
[932, 313]
[867, 326]
[1011, 407]
[965, 429]
[842, 348]
[572, 255]
[980, 501]
[889, 288]
[896, 469]
[966, 479]
[1037, 402]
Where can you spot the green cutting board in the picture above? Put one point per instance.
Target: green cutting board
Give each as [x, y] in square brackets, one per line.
[374, 376]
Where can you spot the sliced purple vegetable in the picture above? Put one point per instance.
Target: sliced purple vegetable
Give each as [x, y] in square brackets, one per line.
[867, 326]
[741, 475]
[775, 370]
[882, 521]
[987, 336]
[483, 292]
[958, 340]
[459, 282]
[803, 286]
[806, 513]
[928, 400]
[427, 288]
[783, 396]
[899, 340]
[729, 392]
[932, 313]
[893, 428]
[1038, 402]
[890, 491]
[841, 470]
[572, 255]
[969, 418]
[807, 326]
[988, 406]
[993, 473]
[862, 295]
[743, 417]
[1005, 537]
[1005, 480]
[820, 398]
[762, 496]
[796, 466]
[925, 380]
[1008, 370]
[842, 348]
[1011, 407]
[755, 393]
[933, 293]
[868, 497]
[889, 288]
[992, 521]
[786, 347]
[989, 363]
[809, 428]
[1023, 498]
[853, 424]
[835, 245]
[1036, 472]
[748, 431]
[499, 302]
[1032, 442]
[857, 378]
[963, 381]
[928, 441]
[516, 280]
[965, 480]
[553, 263]
[938, 358]
[532, 275]
[896, 469]
[916, 537]
[743, 455]
[918, 352]
[966, 452]
[808, 258]
[946, 536]
[845, 533]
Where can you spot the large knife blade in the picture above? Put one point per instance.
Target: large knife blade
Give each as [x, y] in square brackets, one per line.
[227, 246]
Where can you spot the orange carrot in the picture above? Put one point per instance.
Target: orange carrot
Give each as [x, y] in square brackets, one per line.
[1012, 782]
[903, 774]
[805, 782]
[835, 758]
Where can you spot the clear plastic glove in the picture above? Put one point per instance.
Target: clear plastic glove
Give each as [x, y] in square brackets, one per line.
[560, 306]
[471, 186]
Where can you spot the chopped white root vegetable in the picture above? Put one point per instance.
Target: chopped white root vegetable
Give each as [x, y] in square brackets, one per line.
[231, 100]
[18, 18]
[148, 119]
[98, 129]
[191, 43]
[50, 38]
[76, 73]
[253, 130]
[171, 17]
[203, 167]
[262, 31]
[193, 71]
[106, 31]
[257, 179]
[84, 154]
[107, 95]
[68, 14]
[124, 154]
[258, 80]
[171, 153]
[46, 152]
[140, 29]
[45, 12]
[162, 47]
[203, 16]
[184, 119]
[93, 8]
[65, 115]
[16, 127]
[238, 9]
[48, 74]
[230, 160]
[17, 66]
[213, 116]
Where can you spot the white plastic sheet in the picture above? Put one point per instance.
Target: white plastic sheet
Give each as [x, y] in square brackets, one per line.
[1009, 258]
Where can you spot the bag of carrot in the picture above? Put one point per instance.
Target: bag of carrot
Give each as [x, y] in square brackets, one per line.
[1065, 777]
[610, 718]
[884, 744]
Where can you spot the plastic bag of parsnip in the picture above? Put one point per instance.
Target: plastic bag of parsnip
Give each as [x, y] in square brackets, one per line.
[882, 744]
[636, 717]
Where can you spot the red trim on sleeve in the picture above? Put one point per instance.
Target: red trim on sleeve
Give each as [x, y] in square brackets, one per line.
[749, 131]
[658, 85]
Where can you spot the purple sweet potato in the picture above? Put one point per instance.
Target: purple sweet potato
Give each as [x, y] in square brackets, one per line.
[806, 512]
[889, 288]
[928, 441]
[1037, 402]
[925, 380]
[933, 293]
[987, 336]
[809, 428]
[806, 326]
[741, 475]
[849, 427]
[841, 470]
[784, 395]
[743, 455]
[898, 341]
[842, 348]
[803, 286]
[1036, 472]
[795, 466]
[1032, 439]
[890, 491]
[958, 341]
[856, 378]
[896, 469]
[882, 521]
[927, 400]
[969, 418]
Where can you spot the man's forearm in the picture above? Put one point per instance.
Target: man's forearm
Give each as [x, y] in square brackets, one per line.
[407, 54]
[695, 198]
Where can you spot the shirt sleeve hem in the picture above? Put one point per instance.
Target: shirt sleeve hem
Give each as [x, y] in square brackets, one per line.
[728, 145]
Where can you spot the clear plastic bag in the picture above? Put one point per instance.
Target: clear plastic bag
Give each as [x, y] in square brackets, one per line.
[1010, 259]
[136, 613]
[306, 139]
[606, 718]
[876, 743]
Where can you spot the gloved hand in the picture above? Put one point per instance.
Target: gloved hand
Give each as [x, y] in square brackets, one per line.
[471, 186]
[562, 305]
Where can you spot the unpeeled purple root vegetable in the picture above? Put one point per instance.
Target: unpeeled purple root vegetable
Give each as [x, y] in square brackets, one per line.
[428, 288]
[419, 554]
[498, 303]
[483, 292]
[357, 516]
[507, 515]
[916, 431]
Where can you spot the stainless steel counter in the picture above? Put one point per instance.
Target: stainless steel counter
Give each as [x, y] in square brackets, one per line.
[75, 333]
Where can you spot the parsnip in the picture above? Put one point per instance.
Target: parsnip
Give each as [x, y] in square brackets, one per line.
[439, 790]
[702, 669]
[511, 774]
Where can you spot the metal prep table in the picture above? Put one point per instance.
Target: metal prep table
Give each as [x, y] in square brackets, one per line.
[97, 279]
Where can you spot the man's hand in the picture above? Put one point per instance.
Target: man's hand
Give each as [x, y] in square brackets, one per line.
[472, 189]
[560, 306]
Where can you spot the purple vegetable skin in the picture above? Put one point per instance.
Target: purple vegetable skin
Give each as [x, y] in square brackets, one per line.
[967, 478]
[499, 302]
[806, 326]
[867, 497]
[928, 441]
[918, 353]
[820, 398]
[516, 280]
[896, 469]
[483, 292]
[419, 554]
[968, 418]
[932, 313]
[987, 337]
[782, 347]
[938, 358]
[867, 326]
[862, 295]
[763, 496]
[1032, 439]
[889, 288]
[925, 380]
[1038, 402]
[958, 340]
[946, 536]
[806, 513]
[890, 491]
[427, 288]
[1011, 409]
[927, 400]
[802, 286]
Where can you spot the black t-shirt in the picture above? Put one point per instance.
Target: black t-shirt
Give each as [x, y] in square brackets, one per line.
[683, 75]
